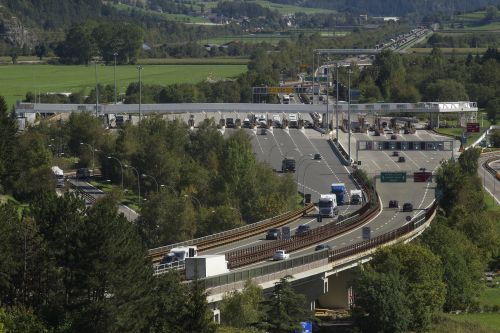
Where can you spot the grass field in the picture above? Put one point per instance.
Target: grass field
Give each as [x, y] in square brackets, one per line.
[16, 80]
[195, 61]
[491, 295]
[171, 17]
[287, 9]
[469, 323]
[490, 321]
[257, 38]
[459, 51]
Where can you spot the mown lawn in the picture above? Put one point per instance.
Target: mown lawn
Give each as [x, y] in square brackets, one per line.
[17, 80]
[490, 321]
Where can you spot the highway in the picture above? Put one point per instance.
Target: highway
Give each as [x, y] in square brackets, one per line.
[490, 183]
[271, 147]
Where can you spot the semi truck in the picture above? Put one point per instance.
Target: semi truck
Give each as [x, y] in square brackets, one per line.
[58, 175]
[293, 120]
[327, 205]
[206, 266]
[179, 254]
[288, 164]
[339, 190]
[356, 197]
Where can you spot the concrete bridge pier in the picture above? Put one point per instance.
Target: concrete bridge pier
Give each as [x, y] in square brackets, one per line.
[339, 293]
[312, 289]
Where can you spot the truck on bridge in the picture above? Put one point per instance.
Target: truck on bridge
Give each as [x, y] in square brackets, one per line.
[327, 205]
[339, 190]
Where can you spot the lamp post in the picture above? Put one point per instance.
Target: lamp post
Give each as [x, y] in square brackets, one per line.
[170, 187]
[96, 87]
[299, 163]
[153, 178]
[93, 150]
[337, 102]
[193, 197]
[138, 181]
[349, 118]
[304, 181]
[139, 68]
[114, 74]
[121, 166]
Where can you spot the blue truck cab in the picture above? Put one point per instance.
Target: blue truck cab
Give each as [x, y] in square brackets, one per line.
[339, 190]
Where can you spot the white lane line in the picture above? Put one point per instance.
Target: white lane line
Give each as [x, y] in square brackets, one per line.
[288, 132]
[307, 187]
[392, 160]
[411, 159]
[257, 138]
[277, 144]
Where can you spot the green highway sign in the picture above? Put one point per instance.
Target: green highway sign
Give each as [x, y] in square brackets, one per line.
[393, 177]
[309, 78]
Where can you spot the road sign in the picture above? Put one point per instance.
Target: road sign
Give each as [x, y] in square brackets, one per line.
[473, 127]
[393, 177]
[280, 90]
[316, 78]
[420, 177]
[366, 233]
[307, 327]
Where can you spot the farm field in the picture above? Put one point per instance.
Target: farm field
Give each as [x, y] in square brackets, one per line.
[17, 80]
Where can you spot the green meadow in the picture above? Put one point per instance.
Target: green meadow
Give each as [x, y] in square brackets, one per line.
[17, 80]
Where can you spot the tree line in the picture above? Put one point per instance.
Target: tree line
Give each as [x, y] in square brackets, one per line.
[405, 286]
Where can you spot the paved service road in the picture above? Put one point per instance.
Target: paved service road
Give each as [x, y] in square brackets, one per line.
[490, 183]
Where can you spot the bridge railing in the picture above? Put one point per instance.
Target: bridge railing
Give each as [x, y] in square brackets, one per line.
[276, 270]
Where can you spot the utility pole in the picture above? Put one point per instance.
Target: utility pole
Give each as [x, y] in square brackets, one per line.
[337, 102]
[349, 118]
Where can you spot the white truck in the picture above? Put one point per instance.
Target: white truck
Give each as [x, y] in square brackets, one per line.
[58, 175]
[356, 197]
[293, 120]
[206, 266]
[286, 99]
[328, 205]
[178, 255]
[276, 120]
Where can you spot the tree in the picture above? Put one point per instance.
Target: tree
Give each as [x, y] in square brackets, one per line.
[495, 139]
[8, 130]
[445, 90]
[20, 320]
[493, 110]
[449, 180]
[491, 13]
[285, 309]
[462, 262]
[381, 303]
[243, 309]
[468, 161]
[40, 50]
[198, 317]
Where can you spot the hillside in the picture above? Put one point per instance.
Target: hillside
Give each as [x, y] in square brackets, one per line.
[395, 7]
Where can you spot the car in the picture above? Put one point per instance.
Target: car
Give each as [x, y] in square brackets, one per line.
[406, 131]
[263, 131]
[273, 234]
[322, 247]
[317, 156]
[393, 204]
[401, 159]
[394, 137]
[280, 255]
[302, 229]
[376, 133]
[395, 153]
[407, 207]
[229, 122]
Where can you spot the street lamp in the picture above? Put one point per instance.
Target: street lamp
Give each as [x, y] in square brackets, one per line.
[96, 87]
[139, 68]
[92, 148]
[138, 181]
[349, 118]
[121, 166]
[156, 182]
[288, 152]
[337, 102]
[304, 180]
[114, 73]
[193, 197]
[170, 187]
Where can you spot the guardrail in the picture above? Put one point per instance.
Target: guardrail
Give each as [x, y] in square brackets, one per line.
[492, 171]
[88, 197]
[307, 262]
[243, 257]
[207, 242]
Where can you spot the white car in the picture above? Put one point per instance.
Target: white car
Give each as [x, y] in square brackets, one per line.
[280, 255]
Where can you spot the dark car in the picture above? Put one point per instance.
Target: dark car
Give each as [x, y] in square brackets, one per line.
[229, 122]
[321, 247]
[395, 153]
[273, 234]
[317, 156]
[376, 133]
[401, 159]
[393, 137]
[407, 207]
[302, 229]
[406, 131]
[393, 204]
[83, 173]
[263, 131]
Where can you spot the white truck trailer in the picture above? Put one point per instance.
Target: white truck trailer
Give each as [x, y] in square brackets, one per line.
[206, 266]
[58, 175]
[328, 205]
